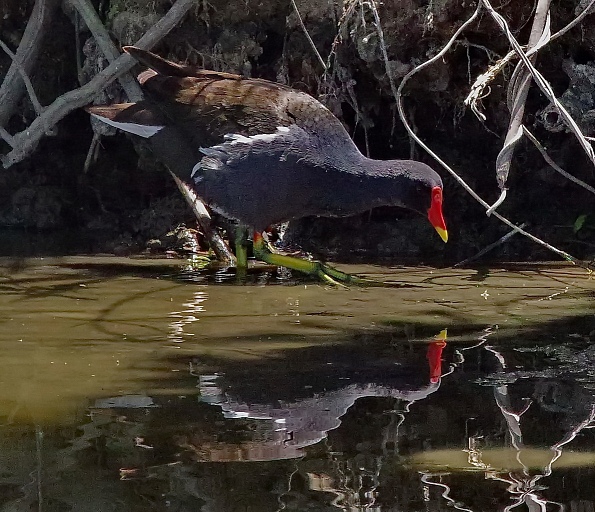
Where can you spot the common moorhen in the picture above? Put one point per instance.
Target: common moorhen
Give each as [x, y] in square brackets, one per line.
[262, 153]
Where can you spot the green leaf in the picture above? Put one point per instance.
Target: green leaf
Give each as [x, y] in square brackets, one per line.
[579, 222]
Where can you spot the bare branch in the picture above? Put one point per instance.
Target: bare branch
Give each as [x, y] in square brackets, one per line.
[372, 5]
[483, 80]
[554, 165]
[27, 140]
[299, 17]
[101, 36]
[26, 56]
[460, 180]
[135, 93]
[218, 245]
[7, 137]
[541, 82]
[520, 88]
[574, 22]
[26, 80]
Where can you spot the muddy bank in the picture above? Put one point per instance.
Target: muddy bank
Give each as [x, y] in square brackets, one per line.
[125, 199]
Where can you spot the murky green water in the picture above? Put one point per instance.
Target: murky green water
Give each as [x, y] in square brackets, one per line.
[131, 385]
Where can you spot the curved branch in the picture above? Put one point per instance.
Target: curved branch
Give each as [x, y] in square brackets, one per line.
[26, 141]
[25, 58]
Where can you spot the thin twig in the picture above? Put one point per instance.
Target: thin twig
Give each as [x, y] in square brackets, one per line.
[553, 164]
[7, 137]
[348, 8]
[372, 5]
[135, 93]
[498, 202]
[574, 22]
[490, 247]
[299, 17]
[27, 140]
[87, 12]
[217, 243]
[542, 82]
[520, 87]
[92, 152]
[483, 80]
[26, 55]
[26, 80]
[460, 180]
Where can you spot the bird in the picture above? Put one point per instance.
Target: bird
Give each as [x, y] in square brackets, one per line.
[262, 153]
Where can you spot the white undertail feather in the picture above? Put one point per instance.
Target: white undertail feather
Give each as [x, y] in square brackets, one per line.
[141, 130]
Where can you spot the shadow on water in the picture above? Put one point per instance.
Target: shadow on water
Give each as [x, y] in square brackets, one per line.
[132, 385]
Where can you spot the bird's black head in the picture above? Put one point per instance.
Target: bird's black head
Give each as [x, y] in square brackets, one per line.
[422, 191]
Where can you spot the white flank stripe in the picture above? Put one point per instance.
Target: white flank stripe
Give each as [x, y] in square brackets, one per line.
[142, 130]
[235, 138]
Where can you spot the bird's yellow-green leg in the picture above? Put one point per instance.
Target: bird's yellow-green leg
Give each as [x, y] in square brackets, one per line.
[241, 241]
[324, 272]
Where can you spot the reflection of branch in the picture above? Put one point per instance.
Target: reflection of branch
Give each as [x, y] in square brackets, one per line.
[425, 478]
[26, 141]
[513, 419]
[557, 448]
[525, 488]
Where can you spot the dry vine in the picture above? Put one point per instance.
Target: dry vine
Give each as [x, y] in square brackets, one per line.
[544, 86]
[517, 93]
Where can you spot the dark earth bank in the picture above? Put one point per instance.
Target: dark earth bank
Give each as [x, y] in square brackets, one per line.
[125, 198]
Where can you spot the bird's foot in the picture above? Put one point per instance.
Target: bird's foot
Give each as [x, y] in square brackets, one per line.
[332, 276]
[322, 271]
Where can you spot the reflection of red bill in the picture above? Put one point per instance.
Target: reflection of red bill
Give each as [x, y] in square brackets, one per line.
[434, 356]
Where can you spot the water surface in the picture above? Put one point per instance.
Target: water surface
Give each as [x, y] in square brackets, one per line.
[136, 385]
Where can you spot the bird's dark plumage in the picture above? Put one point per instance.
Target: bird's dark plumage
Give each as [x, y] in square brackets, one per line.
[264, 153]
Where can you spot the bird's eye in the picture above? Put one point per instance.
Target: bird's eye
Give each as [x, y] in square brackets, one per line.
[437, 195]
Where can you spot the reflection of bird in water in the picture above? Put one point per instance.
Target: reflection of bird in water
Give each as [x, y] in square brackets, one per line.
[262, 153]
[283, 426]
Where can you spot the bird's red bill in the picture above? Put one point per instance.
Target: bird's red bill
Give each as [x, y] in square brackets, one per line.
[435, 214]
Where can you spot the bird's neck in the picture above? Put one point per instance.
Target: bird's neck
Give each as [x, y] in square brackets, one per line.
[369, 183]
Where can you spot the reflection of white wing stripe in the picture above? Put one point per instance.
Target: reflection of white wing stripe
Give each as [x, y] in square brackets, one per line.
[142, 130]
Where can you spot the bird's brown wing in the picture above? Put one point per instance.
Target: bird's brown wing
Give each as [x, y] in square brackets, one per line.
[206, 105]
[201, 107]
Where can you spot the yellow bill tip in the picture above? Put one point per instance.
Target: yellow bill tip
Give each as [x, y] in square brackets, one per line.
[442, 335]
[443, 234]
